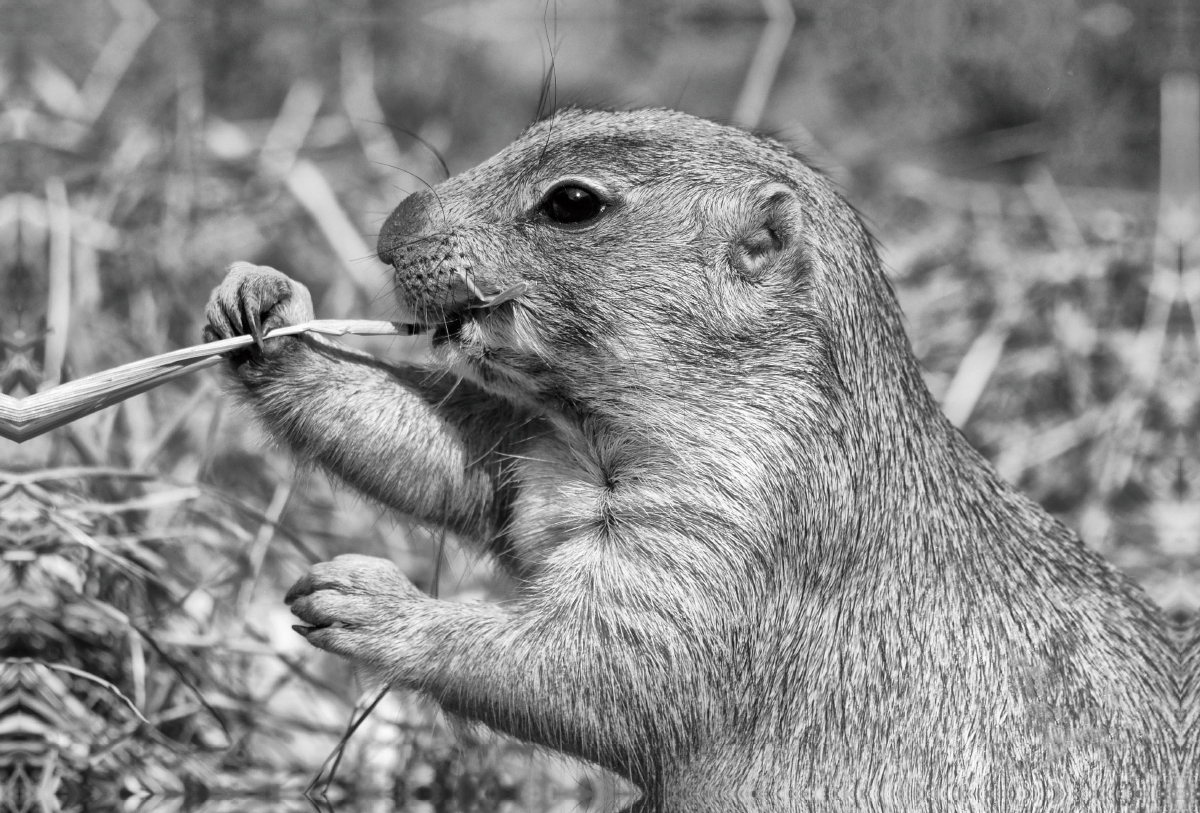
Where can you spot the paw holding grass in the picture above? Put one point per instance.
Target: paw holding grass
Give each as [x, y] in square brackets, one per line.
[253, 300]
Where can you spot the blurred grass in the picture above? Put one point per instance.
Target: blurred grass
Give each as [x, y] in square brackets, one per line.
[144, 550]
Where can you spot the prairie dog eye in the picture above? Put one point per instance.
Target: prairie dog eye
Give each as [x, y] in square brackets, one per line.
[571, 204]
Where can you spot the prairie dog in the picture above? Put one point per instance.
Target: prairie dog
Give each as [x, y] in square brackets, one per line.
[759, 570]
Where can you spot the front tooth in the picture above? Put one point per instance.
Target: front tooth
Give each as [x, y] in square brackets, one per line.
[473, 289]
[511, 292]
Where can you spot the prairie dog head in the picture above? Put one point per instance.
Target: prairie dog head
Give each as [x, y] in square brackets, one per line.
[647, 257]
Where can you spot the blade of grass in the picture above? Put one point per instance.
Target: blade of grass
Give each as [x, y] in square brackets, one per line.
[258, 550]
[336, 755]
[24, 418]
[760, 76]
[291, 126]
[58, 305]
[80, 673]
[168, 430]
[312, 189]
[974, 372]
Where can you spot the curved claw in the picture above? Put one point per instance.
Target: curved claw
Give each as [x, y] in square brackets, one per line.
[251, 319]
[252, 300]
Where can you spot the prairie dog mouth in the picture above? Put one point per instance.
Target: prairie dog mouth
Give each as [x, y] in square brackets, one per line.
[449, 328]
[450, 324]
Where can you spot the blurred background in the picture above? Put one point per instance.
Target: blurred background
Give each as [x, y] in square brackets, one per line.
[1031, 168]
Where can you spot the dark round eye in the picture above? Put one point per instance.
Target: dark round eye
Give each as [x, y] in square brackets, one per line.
[572, 204]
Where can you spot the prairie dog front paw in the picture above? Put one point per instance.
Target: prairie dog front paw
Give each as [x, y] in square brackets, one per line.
[354, 606]
[253, 300]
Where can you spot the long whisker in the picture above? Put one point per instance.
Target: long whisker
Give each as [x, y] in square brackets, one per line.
[427, 184]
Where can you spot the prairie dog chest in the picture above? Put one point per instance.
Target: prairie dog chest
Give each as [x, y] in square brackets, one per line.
[560, 494]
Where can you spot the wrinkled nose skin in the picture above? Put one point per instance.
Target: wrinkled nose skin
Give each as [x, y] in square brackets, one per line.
[434, 268]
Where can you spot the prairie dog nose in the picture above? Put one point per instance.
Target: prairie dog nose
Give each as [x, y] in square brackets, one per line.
[434, 268]
[405, 224]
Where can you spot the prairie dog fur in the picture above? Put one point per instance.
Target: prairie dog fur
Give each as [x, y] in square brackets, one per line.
[759, 569]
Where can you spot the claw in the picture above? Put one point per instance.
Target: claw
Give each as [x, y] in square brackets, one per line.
[251, 321]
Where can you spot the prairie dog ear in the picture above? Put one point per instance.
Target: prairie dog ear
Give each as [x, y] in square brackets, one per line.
[769, 234]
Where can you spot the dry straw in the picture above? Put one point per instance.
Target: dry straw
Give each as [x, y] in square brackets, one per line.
[25, 418]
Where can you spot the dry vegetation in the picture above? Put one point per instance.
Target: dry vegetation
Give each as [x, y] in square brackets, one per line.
[144, 649]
